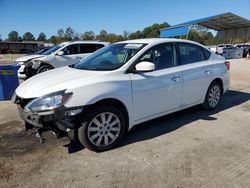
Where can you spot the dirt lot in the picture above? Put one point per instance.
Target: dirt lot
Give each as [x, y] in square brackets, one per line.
[6, 59]
[191, 148]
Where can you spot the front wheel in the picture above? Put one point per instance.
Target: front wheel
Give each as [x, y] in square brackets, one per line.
[44, 68]
[102, 128]
[213, 96]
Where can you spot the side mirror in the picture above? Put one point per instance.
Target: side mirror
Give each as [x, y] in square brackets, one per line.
[60, 53]
[145, 66]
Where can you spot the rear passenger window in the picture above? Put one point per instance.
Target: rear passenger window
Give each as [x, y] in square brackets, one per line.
[189, 53]
[89, 48]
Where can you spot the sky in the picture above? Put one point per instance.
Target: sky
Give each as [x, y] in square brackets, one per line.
[114, 16]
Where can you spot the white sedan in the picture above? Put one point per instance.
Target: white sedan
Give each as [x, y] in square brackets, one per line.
[104, 95]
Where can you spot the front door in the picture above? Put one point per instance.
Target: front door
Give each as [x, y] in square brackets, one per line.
[71, 55]
[158, 91]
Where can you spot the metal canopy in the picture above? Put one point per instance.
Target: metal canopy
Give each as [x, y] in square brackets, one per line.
[177, 31]
[221, 22]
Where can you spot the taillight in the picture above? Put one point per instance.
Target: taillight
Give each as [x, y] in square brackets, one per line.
[227, 63]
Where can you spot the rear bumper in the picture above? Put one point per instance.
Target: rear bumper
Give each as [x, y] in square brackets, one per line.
[226, 82]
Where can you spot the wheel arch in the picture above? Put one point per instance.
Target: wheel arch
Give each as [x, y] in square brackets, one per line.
[112, 102]
[219, 80]
[47, 64]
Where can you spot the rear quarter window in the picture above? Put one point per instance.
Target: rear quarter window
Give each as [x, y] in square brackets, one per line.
[206, 53]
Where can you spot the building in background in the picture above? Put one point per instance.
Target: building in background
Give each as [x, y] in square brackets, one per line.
[227, 25]
[25, 47]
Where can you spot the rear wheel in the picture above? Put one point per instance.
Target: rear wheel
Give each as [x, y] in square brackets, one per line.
[44, 68]
[213, 96]
[102, 128]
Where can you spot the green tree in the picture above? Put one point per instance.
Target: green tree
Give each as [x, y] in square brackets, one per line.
[13, 36]
[88, 35]
[76, 36]
[113, 38]
[60, 33]
[126, 35]
[69, 33]
[54, 39]
[194, 35]
[28, 36]
[0, 38]
[41, 37]
[20, 39]
[153, 31]
[103, 36]
[136, 35]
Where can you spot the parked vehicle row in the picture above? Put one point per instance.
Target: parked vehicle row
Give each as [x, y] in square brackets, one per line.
[231, 51]
[64, 54]
[245, 47]
[101, 97]
[221, 47]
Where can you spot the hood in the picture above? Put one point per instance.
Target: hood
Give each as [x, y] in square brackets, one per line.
[28, 57]
[64, 78]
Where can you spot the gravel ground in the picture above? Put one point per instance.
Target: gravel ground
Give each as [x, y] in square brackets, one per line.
[191, 148]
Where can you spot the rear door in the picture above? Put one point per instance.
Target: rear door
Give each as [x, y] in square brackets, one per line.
[197, 72]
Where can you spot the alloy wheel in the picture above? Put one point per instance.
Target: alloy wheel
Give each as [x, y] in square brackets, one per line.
[214, 96]
[104, 129]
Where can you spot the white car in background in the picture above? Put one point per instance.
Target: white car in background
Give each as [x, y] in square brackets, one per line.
[104, 95]
[212, 48]
[64, 54]
[221, 47]
[21, 61]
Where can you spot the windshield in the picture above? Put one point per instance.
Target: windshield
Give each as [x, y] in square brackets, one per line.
[111, 57]
[52, 50]
[42, 51]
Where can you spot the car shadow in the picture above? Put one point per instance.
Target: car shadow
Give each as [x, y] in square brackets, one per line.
[74, 146]
[174, 121]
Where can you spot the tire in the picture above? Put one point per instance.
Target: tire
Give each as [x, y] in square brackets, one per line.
[213, 96]
[98, 135]
[43, 68]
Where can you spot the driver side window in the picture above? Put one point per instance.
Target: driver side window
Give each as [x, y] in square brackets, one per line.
[163, 56]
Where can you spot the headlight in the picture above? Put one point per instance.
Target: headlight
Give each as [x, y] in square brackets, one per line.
[35, 63]
[48, 102]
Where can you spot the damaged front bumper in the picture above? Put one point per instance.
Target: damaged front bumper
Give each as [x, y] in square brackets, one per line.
[61, 121]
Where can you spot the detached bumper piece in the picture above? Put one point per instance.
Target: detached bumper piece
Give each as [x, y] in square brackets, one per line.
[58, 121]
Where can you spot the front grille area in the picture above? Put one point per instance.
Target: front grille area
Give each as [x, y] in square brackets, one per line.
[22, 102]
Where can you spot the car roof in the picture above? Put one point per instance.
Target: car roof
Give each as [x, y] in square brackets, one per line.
[158, 41]
[84, 42]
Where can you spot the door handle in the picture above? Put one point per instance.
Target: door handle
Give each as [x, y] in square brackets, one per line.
[208, 72]
[176, 78]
